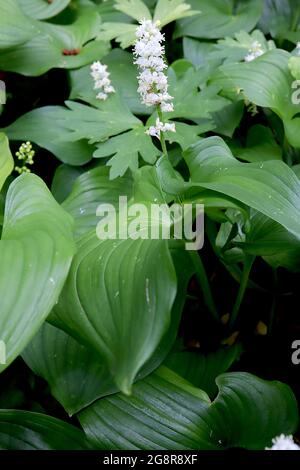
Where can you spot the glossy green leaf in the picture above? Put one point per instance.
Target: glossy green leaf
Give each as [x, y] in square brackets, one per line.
[260, 146]
[218, 18]
[189, 103]
[271, 240]
[6, 159]
[123, 75]
[91, 189]
[41, 9]
[24, 430]
[63, 181]
[15, 27]
[65, 130]
[36, 250]
[76, 374]
[118, 299]
[269, 187]
[57, 46]
[266, 82]
[200, 369]
[166, 412]
[47, 127]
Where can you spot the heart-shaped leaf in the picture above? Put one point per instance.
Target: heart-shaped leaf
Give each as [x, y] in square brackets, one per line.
[23, 430]
[218, 19]
[166, 412]
[41, 9]
[270, 187]
[36, 250]
[6, 159]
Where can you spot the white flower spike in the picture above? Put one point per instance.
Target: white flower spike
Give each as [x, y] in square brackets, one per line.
[255, 51]
[101, 80]
[298, 48]
[159, 127]
[283, 442]
[153, 83]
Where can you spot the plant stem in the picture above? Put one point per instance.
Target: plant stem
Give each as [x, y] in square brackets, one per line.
[162, 137]
[204, 284]
[249, 260]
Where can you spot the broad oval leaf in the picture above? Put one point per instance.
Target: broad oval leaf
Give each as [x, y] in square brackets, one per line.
[217, 18]
[76, 374]
[166, 412]
[36, 250]
[24, 430]
[118, 299]
[270, 187]
[41, 9]
[6, 159]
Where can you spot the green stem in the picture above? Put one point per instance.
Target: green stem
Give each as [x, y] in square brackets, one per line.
[204, 284]
[162, 137]
[249, 260]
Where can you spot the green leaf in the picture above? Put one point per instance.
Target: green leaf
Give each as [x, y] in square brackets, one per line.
[189, 103]
[294, 66]
[15, 27]
[200, 369]
[41, 9]
[57, 46]
[75, 373]
[197, 52]
[267, 238]
[260, 146]
[123, 75]
[118, 299]
[24, 430]
[123, 33]
[167, 11]
[6, 159]
[235, 49]
[269, 187]
[63, 181]
[126, 149]
[166, 412]
[65, 130]
[36, 250]
[134, 8]
[218, 19]
[266, 82]
[48, 128]
[90, 190]
[76, 364]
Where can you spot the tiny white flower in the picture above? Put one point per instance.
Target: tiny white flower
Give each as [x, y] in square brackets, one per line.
[255, 51]
[159, 127]
[298, 48]
[101, 79]
[283, 442]
[148, 52]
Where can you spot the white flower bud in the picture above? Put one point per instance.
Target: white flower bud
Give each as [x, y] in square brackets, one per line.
[101, 80]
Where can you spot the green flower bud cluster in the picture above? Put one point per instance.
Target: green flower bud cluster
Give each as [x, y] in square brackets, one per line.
[25, 154]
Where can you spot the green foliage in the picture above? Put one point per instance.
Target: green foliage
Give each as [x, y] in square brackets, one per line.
[136, 338]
